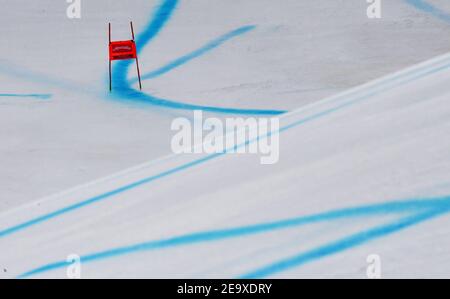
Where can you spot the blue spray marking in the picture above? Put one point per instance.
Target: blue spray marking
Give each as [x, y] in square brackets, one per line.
[92, 200]
[39, 96]
[194, 54]
[345, 243]
[123, 89]
[393, 82]
[417, 211]
[430, 9]
[22, 73]
[160, 17]
[89, 201]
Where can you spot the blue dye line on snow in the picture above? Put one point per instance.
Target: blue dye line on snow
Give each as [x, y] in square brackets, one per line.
[22, 73]
[160, 17]
[359, 99]
[346, 243]
[42, 96]
[46, 217]
[194, 54]
[149, 99]
[430, 9]
[417, 211]
[123, 89]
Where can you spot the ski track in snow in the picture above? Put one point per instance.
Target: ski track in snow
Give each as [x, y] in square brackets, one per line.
[417, 210]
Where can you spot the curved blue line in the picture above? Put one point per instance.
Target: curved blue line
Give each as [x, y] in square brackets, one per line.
[123, 89]
[196, 53]
[149, 99]
[344, 244]
[430, 9]
[160, 17]
[421, 210]
[340, 245]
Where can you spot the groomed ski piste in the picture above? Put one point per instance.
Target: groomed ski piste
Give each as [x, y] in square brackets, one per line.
[364, 163]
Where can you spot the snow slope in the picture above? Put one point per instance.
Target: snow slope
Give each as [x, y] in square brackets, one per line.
[362, 172]
[298, 53]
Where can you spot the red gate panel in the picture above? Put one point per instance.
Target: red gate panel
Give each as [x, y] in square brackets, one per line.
[120, 50]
